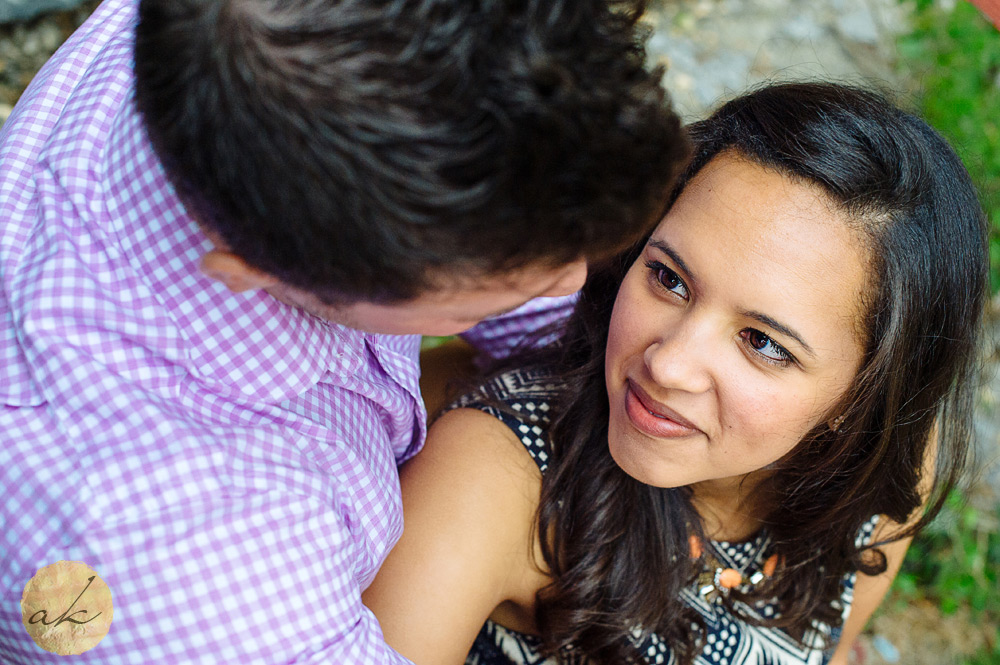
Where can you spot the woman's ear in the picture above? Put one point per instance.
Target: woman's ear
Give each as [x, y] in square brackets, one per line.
[235, 273]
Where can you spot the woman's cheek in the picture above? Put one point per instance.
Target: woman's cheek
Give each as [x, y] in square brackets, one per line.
[626, 329]
[754, 413]
[773, 421]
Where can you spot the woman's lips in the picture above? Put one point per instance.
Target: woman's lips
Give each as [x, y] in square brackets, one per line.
[652, 418]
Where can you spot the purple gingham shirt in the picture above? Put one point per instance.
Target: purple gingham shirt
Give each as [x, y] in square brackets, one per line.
[225, 462]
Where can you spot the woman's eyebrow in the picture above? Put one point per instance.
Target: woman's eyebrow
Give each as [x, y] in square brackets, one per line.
[780, 327]
[676, 258]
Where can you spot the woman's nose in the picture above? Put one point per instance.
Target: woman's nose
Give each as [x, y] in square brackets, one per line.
[681, 360]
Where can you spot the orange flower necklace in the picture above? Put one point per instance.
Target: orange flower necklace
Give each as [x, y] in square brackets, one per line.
[716, 580]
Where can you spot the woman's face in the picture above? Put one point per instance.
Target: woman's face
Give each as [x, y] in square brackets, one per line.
[735, 332]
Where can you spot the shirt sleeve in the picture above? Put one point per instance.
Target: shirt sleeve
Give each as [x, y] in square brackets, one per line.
[201, 569]
[500, 335]
[227, 530]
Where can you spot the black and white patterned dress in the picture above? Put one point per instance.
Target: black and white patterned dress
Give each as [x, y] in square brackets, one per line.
[729, 640]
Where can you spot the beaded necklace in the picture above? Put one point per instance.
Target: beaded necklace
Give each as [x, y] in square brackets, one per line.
[715, 581]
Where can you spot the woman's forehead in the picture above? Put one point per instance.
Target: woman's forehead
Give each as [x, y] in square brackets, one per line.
[760, 240]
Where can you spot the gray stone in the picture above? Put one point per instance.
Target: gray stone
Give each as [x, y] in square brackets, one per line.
[803, 27]
[20, 10]
[49, 36]
[715, 48]
[859, 25]
[31, 45]
[987, 418]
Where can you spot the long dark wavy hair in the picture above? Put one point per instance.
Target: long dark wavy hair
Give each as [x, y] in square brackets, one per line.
[618, 550]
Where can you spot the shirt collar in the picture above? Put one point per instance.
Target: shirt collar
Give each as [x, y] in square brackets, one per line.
[243, 345]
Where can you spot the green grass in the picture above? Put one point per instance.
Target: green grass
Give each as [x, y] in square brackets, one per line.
[956, 562]
[954, 55]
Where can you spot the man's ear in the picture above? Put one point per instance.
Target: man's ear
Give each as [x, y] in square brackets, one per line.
[235, 273]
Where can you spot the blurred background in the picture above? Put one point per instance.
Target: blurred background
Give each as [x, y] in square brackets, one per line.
[942, 59]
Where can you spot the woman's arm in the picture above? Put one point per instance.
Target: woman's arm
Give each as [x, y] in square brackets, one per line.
[469, 501]
[869, 591]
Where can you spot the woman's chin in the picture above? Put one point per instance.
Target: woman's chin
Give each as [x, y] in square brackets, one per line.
[630, 459]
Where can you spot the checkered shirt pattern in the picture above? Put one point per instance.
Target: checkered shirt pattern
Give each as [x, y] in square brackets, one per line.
[226, 463]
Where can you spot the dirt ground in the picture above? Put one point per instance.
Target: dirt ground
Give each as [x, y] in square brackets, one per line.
[920, 634]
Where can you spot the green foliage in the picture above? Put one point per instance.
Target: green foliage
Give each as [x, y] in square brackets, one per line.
[954, 54]
[431, 342]
[988, 655]
[956, 561]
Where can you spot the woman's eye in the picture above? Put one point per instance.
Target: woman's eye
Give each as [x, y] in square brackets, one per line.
[667, 278]
[768, 349]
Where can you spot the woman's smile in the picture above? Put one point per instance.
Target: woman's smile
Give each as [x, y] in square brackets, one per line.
[653, 418]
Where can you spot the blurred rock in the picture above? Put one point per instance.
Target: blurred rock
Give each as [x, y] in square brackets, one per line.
[20, 10]
[26, 45]
[886, 649]
[715, 49]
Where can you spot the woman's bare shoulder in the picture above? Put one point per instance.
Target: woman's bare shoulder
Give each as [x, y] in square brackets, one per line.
[469, 502]
[479, 442]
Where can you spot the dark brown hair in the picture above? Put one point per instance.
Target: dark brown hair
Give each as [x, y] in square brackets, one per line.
[361, 150]
[618, 549]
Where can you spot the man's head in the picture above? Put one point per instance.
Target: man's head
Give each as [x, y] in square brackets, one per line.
[383, 152]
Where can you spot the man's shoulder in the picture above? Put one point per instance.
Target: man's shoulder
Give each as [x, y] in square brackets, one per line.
[78, 88]
[54, 145]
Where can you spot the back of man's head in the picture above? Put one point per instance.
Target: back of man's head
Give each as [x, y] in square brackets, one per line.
[356, 148]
